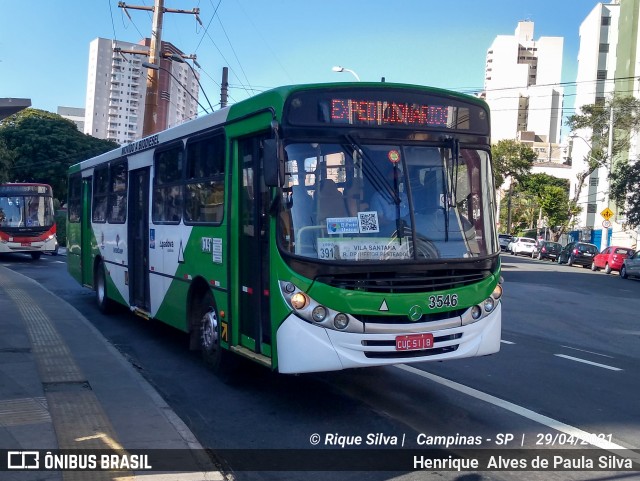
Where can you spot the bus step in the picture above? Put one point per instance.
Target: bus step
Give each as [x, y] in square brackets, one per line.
[261, 358]
[141, 313]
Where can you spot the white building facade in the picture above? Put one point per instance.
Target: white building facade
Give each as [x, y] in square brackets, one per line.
[522, 78]
[116, 88]
[608, 65]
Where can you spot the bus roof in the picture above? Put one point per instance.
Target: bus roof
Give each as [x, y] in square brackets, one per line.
[271, 100]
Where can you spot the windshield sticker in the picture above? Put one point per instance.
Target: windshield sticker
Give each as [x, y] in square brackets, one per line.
[373, 249]
[342, 225]
[368, 222]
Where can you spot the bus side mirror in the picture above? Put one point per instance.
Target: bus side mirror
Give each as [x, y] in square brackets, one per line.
[273, 173]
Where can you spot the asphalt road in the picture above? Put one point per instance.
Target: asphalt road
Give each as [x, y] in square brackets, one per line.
[568, 370]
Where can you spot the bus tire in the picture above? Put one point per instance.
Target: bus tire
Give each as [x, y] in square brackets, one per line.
[36, 255]
[214, 355]
[100, 285]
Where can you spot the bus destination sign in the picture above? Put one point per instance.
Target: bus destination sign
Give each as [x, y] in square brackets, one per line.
[378, 112]
[387, 108]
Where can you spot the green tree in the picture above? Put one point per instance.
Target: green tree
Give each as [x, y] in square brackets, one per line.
[6, 160]
[40, 146]
[513, 160]
[625, 190]
[552, 198]
[623, 125]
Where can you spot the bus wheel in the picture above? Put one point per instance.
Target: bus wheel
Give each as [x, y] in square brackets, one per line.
[215, 356]
[100, 285]
[209, 331]
[36, 255]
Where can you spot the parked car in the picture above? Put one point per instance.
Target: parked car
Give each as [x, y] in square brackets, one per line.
[504, 240]
[578, 253]
[510, 244]
[547, 250]
[631, 266]
[524, 245]
[610, 259]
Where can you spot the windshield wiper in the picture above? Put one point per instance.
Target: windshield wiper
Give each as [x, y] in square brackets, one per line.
[453, 184]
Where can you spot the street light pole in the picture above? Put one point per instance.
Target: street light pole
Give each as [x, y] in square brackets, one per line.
[605, 230]
[158, 67]
[337, 68]
[179, 59]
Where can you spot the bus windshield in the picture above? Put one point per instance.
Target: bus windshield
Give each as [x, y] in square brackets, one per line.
[24, 211]
[358, 202]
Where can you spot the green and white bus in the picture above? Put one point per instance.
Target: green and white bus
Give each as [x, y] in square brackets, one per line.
[309, 228]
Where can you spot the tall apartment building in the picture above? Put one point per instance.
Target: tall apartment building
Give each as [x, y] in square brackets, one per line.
[116, 88]
[597, 58]
[522, 77]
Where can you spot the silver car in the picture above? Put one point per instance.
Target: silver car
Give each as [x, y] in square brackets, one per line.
[504, 240]
[631, 266]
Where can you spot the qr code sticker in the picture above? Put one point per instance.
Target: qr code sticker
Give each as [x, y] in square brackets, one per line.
[368, 222]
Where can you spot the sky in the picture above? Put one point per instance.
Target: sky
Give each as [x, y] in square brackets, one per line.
[44, 44]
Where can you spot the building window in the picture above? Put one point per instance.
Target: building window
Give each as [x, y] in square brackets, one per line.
[593, 182]
[602, 75]
[605, 21]
[604, 48]
[592, 208]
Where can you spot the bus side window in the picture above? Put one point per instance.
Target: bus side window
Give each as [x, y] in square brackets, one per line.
[118, 193]
[100, 193]
[204, 190]
[167, 186]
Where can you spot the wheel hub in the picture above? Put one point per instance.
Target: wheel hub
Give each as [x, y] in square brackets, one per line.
[210, 330]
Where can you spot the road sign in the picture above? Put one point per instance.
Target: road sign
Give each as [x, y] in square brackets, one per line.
[606, 224]
[607, 213]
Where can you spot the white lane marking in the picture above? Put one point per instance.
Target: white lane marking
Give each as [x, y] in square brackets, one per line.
[506, 342]
[527, 413]
[604, 366]
[584, 350]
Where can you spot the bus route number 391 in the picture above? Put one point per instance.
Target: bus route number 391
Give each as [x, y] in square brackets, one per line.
[446, 300]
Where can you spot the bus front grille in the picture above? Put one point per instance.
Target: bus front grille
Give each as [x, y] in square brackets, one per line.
[388, 282]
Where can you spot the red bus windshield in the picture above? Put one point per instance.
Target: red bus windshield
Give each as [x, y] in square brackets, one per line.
[25, 209]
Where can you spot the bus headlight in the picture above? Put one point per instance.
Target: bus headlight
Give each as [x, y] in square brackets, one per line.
[497, 292]
[476, 312]
[319, 313]
[489, 304]
[299, 300]
[341, 321]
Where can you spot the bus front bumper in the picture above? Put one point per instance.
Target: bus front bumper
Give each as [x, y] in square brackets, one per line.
[303, 347]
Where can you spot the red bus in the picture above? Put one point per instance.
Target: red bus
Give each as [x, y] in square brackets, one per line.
[27, 222]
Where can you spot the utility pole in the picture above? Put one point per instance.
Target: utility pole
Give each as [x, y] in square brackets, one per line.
[150, 122]
[224, 87]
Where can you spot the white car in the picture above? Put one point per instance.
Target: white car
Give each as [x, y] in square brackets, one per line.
[523, 245]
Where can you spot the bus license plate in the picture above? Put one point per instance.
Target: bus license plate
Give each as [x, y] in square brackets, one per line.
[414, 342]
[25, 244]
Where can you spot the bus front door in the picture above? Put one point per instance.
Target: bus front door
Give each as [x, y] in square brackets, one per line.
[252, 258]
[138, 238]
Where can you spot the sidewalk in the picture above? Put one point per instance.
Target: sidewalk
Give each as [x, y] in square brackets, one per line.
[64, 387]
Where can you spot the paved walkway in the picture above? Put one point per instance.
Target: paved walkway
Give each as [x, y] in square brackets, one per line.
[64, 387]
